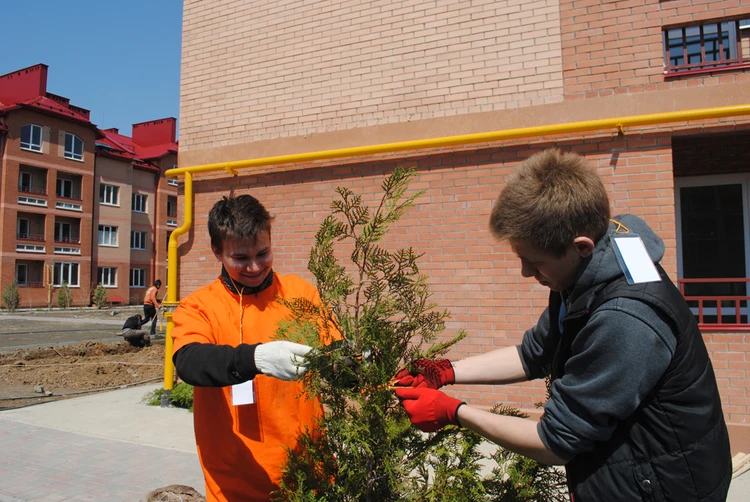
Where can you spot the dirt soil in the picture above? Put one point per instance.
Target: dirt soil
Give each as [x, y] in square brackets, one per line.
[53, 363]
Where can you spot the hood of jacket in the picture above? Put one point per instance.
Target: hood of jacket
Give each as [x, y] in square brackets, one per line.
[602, 266]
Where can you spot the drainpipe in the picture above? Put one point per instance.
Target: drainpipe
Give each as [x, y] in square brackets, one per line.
[619, 123]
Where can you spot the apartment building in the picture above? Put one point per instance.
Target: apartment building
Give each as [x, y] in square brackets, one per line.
[62, 222]
[313, 77]
[137, 207]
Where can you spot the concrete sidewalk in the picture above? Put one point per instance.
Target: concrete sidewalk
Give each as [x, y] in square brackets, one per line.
[112, 447]
[107, 446]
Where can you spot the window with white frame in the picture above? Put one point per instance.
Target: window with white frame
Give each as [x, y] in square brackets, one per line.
[173, 182]
[109, 194]
[64, 232]
[138, 203]
[65, 273]
[25, 181]
[171, 206]
[107, 235]
[73, 147]
[137, 278]
[712, 214]
[22, 274]
[64, 188]
[107, 277]
[137, 240]
[31, 138]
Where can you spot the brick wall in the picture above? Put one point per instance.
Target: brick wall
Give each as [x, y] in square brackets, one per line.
[261, 70]
[615, 47]
[471, 275]
[53, 162]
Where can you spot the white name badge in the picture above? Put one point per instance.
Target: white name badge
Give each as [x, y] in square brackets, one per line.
[243, 393]
[634, 259]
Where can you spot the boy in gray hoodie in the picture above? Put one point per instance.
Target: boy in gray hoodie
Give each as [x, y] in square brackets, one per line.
[634, 411]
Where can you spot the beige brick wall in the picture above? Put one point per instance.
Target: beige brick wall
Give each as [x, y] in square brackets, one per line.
[261, 70]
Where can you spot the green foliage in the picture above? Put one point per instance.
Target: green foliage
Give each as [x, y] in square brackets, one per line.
[100, 296]
[521, 479]
[11, 297]
[375, 317]
[64, 296]
[181, 396]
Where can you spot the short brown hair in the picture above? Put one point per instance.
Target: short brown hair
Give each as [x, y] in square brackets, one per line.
[550, 199]
[241, 217]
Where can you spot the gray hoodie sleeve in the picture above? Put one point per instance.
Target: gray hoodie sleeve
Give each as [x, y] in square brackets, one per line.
[618, 358]
[537, 348]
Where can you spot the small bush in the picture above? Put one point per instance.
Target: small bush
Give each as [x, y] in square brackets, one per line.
[100, 296]
[11, 297]
[64, 296]
[181, 396]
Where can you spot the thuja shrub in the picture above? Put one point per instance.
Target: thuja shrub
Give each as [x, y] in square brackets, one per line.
[364, 448]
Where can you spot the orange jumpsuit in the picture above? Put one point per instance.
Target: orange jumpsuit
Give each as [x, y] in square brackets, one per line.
[241, 448]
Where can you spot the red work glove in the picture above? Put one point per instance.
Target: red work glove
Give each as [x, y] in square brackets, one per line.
[429, 410]
[426, 373]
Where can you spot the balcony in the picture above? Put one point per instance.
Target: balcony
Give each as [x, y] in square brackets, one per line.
[68, 239]
[27, 236]
[719, 312]
[30, 189]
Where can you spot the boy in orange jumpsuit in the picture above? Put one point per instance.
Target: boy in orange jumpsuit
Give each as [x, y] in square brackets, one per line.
[247, 408]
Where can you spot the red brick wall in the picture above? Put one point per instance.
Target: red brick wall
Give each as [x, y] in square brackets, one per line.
[615, 47]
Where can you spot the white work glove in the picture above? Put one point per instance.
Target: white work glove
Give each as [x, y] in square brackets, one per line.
[282, 360]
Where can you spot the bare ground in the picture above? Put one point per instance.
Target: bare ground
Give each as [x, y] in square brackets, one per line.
[48, 355]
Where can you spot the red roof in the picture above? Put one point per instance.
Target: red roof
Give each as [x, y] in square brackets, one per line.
[52, 107]
[156, 151]
[117, 146]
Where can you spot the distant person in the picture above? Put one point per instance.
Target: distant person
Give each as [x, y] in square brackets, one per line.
[133, 333]
[150, 304]
[247, 411]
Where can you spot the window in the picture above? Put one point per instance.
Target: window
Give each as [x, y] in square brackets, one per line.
[65, 273]
[109, 194]
[64, 188]
[24, 181]
[73, 147]
[709, 46]
[137, 278]
[712, 243]
[169, 234]
[23, 230]
[139, 203]
[62, 232]
[173, 182]
[107, 276]
[137, 240]
[22, 274]
[31, 138]
[30, 248]
[107, 235]
[171, 206]
[32, 201]
[67, 250]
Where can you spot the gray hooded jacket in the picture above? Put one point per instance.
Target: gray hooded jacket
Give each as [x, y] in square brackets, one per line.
[619, 356]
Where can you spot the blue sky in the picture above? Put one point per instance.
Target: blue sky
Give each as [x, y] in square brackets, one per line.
[119, 59]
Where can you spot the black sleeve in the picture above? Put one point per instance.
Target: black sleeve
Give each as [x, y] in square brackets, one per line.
[208, 365]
